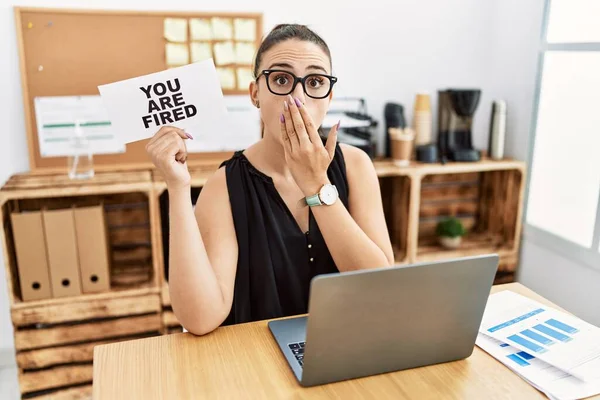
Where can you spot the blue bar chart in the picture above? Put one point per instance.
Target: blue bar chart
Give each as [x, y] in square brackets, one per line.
[528, 344]
[537, 337]
[552, 333]
[518, 360]
[562, 326]
[524, 355]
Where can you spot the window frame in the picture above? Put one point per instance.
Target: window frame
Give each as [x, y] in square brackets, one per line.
[586, 256]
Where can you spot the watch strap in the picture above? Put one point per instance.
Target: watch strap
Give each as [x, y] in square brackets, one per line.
[313, 200]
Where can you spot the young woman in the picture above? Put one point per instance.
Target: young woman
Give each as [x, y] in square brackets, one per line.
[288, 208]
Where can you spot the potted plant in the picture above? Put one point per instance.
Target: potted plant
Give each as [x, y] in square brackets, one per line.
[450, 232]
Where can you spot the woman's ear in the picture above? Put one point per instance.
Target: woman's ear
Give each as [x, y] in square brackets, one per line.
[253, 91]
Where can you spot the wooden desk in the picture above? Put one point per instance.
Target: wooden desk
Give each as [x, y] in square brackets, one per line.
[244, 362]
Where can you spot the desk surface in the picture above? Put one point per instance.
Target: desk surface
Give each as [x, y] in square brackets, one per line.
[243, 361]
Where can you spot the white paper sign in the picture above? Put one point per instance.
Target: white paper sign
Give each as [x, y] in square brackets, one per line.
[184, 97]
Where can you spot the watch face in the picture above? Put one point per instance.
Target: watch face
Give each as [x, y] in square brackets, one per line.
[328, 194]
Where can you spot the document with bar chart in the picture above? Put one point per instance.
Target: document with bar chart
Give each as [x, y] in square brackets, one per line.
[555, 383]
[561, 340]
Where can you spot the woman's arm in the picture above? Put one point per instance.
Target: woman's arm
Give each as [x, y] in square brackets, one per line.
[203, 248]
[357, 238]
[202, 257]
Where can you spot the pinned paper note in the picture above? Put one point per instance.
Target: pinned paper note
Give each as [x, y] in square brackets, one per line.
[56, 118]
[227, 78]
[187, 97]
[175, 29]
[200, 29]
[238, 131]
[245, 29]
[244, 53]
[224, 53]
[177, 54]
[200, 51]
[222, 28]
[244, 77]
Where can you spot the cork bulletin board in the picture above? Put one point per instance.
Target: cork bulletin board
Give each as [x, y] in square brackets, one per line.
[70, 52]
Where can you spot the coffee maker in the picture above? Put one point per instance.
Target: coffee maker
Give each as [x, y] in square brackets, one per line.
[456, 108]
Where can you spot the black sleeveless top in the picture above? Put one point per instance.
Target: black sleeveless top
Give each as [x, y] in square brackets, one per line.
[276, 260]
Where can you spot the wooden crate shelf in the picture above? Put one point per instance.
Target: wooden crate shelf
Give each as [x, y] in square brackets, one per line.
[472, 245]
[55, 340]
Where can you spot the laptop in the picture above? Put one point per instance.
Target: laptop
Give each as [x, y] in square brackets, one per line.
[369, 322]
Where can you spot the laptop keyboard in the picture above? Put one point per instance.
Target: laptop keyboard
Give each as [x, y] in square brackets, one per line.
[298, 350]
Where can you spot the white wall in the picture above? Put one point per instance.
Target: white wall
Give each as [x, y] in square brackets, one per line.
[13, 149]
[573, 286]
[382, 50]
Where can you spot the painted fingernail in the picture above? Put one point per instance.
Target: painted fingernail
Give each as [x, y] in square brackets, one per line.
[282, 118]
[285, 105]
[298, 102]
[189, 136]
[338, 125]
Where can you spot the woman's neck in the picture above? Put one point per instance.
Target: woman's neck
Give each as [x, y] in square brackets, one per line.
[269, 157]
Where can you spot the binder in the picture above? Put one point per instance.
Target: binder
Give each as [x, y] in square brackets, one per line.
[61, 244]
[32, 261]
[92, 247]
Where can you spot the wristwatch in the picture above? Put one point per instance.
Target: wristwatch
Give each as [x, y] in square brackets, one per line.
[326, 196]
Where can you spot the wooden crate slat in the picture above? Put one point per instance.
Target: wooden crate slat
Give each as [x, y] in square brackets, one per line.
[126, 216]
[133, 234]
[504, 278]
[454, 178]
[166, 296]
[169, 319]
[55, 377]
[138, 253]
[454, 208]
[77, 353]
[113, 293]
[82, 310]
[449, 192]
[131, 278]
[476, 244]
[30, 181]
[171, 330]
[74, 393]
[63, 334]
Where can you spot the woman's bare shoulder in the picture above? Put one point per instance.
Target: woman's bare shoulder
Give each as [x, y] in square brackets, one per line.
[356, 159]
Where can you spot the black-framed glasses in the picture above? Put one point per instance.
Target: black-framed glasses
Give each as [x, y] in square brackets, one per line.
[282, 83]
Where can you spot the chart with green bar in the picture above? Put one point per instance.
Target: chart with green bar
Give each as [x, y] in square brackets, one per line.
[57, 118]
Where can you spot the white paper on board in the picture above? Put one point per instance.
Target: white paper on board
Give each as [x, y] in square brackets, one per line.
[224, 53]
[240, 129]
[222, 28]
[244, 77]
[245, 29]
[201, 29]
[175, 29]
[55, 120]
[177, 54]
[200, 51]
[244, 53]
[226, 77]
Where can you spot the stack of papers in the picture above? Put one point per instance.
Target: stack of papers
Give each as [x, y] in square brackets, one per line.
[557, 353]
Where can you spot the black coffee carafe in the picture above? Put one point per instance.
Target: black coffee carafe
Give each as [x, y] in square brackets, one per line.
[456, 108]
